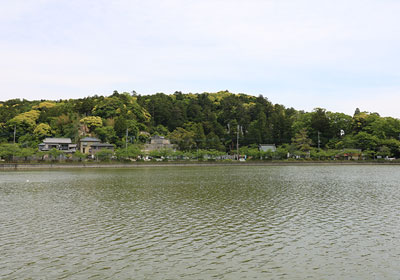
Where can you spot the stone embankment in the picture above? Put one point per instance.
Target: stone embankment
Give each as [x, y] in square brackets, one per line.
[33, 166]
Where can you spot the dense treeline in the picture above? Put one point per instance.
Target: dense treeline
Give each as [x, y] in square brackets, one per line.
[206, 121]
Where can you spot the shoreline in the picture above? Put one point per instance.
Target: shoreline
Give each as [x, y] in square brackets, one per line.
[44, 166]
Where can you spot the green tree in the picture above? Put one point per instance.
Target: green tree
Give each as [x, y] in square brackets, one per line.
[26, 153]
[198, 134]
[301, 141]
[131, 152]
[282, 152]
[384, 151]
[79, 155]
[320, 123]
[109, 107]
[393, 145]
[23, 123]
[106, 134]
[55, 154]
[213, 142]
[122, 124]
[104, 154]
[339, 122]
[359, 122]
[160, 130]
[9, 151]
[183, 138]
[161, 153]
[366, 141]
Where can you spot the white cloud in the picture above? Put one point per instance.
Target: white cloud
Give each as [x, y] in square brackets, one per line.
[285, 49]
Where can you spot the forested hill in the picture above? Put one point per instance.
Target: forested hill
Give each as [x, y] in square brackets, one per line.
[196, 121]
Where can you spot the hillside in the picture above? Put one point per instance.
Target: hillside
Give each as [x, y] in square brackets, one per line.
[197, 121]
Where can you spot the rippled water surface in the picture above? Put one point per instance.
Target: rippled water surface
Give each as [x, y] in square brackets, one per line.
[211, 222]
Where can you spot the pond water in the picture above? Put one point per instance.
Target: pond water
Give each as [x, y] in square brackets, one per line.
[207, 222]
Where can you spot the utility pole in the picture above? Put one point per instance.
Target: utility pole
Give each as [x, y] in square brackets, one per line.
[237, 142]
[126, 140]
[318, 141]
[15, 131]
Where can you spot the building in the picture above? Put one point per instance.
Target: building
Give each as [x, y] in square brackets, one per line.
[267, 147]
[350, 154]
[61, 144]
[158, 143]
[91, 145]
[86, 143]
[94, 148]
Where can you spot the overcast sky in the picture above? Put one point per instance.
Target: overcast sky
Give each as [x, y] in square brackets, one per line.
[338, 55]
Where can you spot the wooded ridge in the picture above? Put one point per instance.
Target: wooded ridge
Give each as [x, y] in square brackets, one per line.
[205, 121]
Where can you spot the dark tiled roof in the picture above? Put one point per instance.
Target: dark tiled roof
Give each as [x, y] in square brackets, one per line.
[102, 145]
[57, 140]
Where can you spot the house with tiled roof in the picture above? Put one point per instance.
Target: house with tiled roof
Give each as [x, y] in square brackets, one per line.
[61, 144]
[91, 145]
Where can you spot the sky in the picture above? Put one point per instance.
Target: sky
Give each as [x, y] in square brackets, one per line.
[337, 55]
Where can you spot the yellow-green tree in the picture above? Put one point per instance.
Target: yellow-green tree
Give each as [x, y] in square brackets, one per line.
[25, 120]
[42, 130]
[92, 122]
[44, 104]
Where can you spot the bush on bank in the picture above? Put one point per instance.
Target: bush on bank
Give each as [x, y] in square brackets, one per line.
[16, 153]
